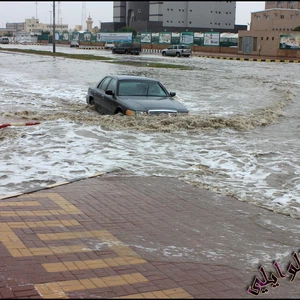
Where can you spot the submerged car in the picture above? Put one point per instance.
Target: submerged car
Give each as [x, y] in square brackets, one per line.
[177, 50]
[132, 95]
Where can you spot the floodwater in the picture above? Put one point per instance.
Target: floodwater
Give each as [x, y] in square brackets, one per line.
[241, 137]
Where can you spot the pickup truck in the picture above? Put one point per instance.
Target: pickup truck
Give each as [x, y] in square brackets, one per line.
[127, 48]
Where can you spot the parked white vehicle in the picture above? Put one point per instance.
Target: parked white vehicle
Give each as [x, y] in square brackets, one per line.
[109, 45]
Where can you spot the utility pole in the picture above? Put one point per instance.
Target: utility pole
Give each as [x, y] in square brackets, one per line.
[53, 38]
[50, 19]
[83, 15]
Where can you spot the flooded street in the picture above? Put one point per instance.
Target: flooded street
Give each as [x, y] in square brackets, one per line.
[241, 137]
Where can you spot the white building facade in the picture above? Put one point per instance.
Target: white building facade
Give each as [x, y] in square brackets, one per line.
[176, 15]
[186, 14]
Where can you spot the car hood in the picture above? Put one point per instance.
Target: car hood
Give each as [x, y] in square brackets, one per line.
[159, 104]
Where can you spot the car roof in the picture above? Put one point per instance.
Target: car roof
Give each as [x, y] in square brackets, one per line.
[133, 77]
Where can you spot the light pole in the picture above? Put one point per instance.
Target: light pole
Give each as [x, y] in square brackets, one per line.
[50, 19]
[53, 38]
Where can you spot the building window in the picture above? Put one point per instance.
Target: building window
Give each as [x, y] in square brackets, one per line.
[280, 2]
[292, 16]
[262, 38]
[190, 10]
[258, 18]
[168, 9]
[273, 38]
[267, 38]
[190, 22]
[267, 17]
[179, 9]
[281, 16]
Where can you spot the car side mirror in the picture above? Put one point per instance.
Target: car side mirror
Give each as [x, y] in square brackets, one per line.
[109, 92]
[172, 94]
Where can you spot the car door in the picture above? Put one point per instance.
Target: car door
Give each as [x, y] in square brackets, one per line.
[172, 51]
[109, 101]
[99, 94]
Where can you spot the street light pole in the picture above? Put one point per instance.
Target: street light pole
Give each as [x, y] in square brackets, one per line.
[50, 20]
[53, 37]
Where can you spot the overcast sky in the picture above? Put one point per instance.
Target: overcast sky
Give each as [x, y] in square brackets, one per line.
[100, 11]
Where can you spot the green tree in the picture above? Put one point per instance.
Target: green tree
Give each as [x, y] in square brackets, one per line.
[129, 29]
[297, 28]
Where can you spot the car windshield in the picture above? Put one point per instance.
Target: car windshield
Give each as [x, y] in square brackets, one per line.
[140, 88]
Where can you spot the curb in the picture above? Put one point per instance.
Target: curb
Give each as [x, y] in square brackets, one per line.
[249, 59]
[51, 186]
[19, 124]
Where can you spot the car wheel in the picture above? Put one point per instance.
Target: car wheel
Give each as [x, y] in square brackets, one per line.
[119, 111]
[178, 54]
[164, 53]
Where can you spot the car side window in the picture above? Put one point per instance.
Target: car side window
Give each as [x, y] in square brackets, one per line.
[103, 84]
[112, 85]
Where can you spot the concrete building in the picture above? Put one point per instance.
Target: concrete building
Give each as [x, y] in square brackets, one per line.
[33, 25]
[175, 16]
[272, 31]
[282, 4]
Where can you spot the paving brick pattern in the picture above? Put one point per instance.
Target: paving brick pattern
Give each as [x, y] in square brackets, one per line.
[123, 236]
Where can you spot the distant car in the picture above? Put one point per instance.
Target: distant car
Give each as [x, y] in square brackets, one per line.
[127, 48]
[74, 44]
[109, 45]
[177, 50]
[132, 95]
[4, 40]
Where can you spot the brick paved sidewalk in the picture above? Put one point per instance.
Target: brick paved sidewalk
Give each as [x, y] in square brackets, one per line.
[123, 236]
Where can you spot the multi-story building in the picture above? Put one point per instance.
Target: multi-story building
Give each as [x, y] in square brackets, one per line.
[282, 4]
[175, 16]
[33, 25]
[270, 27]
